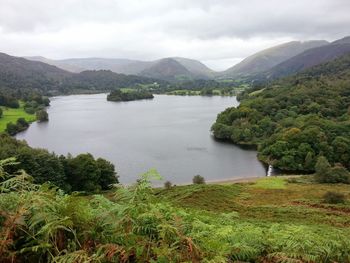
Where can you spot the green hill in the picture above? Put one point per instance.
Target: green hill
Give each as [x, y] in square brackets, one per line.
[19, 76]
[295, 120]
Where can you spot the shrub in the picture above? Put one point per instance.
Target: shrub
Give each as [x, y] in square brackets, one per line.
[29, 110]
[22, 124]
[332, 175]
[11, 128]
[339, 174]
[292, 180]
[334, 198]
[42, 115]
[168, 185]
[197, 179]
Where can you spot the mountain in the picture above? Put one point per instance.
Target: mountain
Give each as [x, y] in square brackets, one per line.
[22, 75]
[76, 65]
[268, 58]
[126, 66]
[57, 63]
[345, 40]
[197, 68]
[167, 69]
[310, 58]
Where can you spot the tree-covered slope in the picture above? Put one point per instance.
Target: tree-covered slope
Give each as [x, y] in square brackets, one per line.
[295, 120]
[19, 75]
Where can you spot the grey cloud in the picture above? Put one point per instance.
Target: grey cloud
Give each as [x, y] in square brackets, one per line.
[215, 31]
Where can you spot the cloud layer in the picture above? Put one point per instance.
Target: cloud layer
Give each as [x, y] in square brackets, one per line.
[219, 33]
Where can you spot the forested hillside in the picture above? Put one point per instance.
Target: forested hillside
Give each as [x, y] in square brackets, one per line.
[20, 76]
[295, 120]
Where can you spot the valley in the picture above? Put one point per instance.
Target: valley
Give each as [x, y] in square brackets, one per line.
[132, 154]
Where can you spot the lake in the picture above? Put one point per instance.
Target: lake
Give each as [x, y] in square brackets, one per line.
[169, 133]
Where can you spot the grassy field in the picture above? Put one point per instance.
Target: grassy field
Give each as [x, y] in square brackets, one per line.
[11, 115]
[270, 200]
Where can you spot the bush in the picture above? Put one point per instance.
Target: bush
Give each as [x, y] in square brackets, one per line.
[197, 179]
[292, 180]
[332, 175]
[29, 110]
[11, 128]
[42, 115]
[339, 174]
[334, 198]
[20, 125]
[168, 185]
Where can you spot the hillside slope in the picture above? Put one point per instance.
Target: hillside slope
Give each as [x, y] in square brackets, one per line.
[57, 63]
[167, 69]
[295, 120]
[197, 68]
[127, 66]
[18, 75]
[270, 57]
[310, 58]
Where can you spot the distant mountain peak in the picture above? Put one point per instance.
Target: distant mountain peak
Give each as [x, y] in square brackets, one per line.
[268, 58]
[344, 40]
[167, 69]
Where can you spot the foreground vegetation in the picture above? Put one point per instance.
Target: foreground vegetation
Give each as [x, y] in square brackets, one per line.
[296, 120]
[288, 222]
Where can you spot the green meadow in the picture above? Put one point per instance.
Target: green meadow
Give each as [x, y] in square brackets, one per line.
[11, 115]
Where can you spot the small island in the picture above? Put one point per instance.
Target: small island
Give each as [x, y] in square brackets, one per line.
[129, 95]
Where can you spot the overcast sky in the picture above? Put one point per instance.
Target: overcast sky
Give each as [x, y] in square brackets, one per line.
[220, 33]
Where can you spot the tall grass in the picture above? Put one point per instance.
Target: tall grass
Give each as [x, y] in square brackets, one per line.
[42, 224]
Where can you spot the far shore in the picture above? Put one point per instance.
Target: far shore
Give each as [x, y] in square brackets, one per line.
[247, 179]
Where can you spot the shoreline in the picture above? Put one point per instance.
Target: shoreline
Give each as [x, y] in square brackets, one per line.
[236, 180]
[250, 179]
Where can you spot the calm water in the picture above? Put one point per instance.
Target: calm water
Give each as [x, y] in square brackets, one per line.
[169, 133]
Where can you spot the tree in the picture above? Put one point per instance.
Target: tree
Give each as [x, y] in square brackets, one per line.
[338, 174]
[83, 173]
[0, 112]
[327, 174]
[42, 115]
[108, 176]
[11, 128]
[309, 161]
[43, 166]
[168, 185]
[22, 124]
[206, 92]
[197, 179]
[322, 169]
